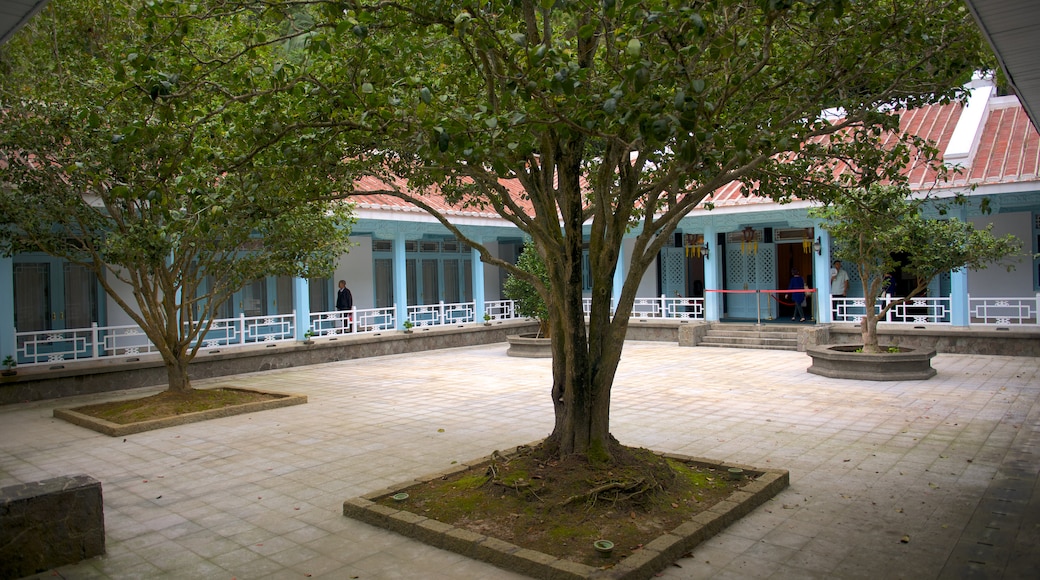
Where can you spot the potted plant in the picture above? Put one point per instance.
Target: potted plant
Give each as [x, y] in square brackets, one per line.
[487, 319]
[528, 291]
[872, 225]
[308, 336]
[408, 325]
[9, 364]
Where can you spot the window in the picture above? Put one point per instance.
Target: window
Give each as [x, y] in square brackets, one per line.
[434, 269]
[318, 294]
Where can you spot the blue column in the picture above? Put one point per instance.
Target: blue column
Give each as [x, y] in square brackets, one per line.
[619, 277]
[712, 275]
[822, 276]
[302, 306]
[478, 282]
[8, 345]
[959, 297]
[400, 280]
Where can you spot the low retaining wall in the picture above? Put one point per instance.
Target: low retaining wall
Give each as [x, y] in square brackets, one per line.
[946, 339]
[98, 376]
[50, 523]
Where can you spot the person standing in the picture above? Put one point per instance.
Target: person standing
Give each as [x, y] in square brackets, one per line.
[344, 302]
[797, 283]
[839, 286]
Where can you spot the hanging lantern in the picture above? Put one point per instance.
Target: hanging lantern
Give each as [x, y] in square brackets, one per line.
[749, 240]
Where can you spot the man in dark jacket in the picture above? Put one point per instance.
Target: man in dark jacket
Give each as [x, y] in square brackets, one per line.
[344, 302]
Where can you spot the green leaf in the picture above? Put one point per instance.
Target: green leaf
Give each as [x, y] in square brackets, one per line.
[519, 38]
[634, 47]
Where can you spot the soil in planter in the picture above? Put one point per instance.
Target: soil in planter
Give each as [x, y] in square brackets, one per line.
[167, 404]
[560, 507]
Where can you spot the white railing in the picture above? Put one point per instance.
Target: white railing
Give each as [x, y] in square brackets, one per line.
[442, 314]
[500, 309]
[55, 346]
[664, 308]
[250, 329]
[917, 311]
[356, 321]
[1009, 311]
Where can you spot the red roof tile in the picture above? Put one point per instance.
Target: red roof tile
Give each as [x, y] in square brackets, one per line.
[1008, 151]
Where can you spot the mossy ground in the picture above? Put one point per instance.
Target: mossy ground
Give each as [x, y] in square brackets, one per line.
[169, 404]
[545, 504]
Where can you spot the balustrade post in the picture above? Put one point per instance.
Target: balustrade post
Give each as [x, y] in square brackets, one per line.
[241, 328]
[96, 349]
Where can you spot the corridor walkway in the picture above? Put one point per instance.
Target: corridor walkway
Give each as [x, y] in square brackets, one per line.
[888, 480]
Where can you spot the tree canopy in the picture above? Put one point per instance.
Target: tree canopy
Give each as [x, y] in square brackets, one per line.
[135, 147]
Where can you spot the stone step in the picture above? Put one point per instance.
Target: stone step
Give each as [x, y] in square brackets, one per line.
[751, 333]
[751, 341]
[746, 346]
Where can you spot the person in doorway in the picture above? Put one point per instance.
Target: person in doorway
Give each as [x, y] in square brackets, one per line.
[344, 303]
[839, 285]
[797, 283]
[839, 281]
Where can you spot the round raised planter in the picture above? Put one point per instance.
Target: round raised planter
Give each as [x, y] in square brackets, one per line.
[841, 361]
[529, 346]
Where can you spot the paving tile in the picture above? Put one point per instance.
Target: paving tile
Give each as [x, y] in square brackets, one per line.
[259, 496]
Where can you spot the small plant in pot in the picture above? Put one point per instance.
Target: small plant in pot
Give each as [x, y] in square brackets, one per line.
[9, 364]
[487, 319]
[308, 337]
[529, 288]
[408, 325]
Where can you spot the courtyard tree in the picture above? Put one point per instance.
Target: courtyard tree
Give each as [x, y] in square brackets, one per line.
[530, 295]
[133, 147]
[872, 226]
[617, 118]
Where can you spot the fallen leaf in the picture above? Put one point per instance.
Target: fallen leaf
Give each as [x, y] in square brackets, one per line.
[905, 539]
[440, 430]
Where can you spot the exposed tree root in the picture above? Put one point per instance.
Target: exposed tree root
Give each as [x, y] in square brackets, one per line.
[622, 491]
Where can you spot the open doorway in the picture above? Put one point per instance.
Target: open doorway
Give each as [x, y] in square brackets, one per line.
[793, 257]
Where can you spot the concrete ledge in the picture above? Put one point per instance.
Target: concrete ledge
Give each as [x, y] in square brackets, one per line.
[996, 340]
[842, 362]
[35, 383]
[50, 523]
[641, 564]
[121, 429]
[693, 333]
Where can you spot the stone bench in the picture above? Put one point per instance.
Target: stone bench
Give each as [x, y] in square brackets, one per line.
[50, 523]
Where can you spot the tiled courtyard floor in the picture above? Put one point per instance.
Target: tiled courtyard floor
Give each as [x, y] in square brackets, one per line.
[888, 480]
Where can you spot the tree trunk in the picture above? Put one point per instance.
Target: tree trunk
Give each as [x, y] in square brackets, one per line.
[868, 327]
[581, 391]
[177, 373]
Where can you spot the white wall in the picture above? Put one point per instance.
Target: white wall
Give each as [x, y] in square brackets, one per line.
[996, 281]
[356, 267]
[648, 285]
[492, 286]
[115, 315]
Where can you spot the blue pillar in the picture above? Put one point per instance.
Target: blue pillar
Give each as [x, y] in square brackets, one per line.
[478, 282]
[8, 346]
[400, 280]
[822, 275]
[302, 306]
[619, 278]
[712, 276]
[959, 297]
